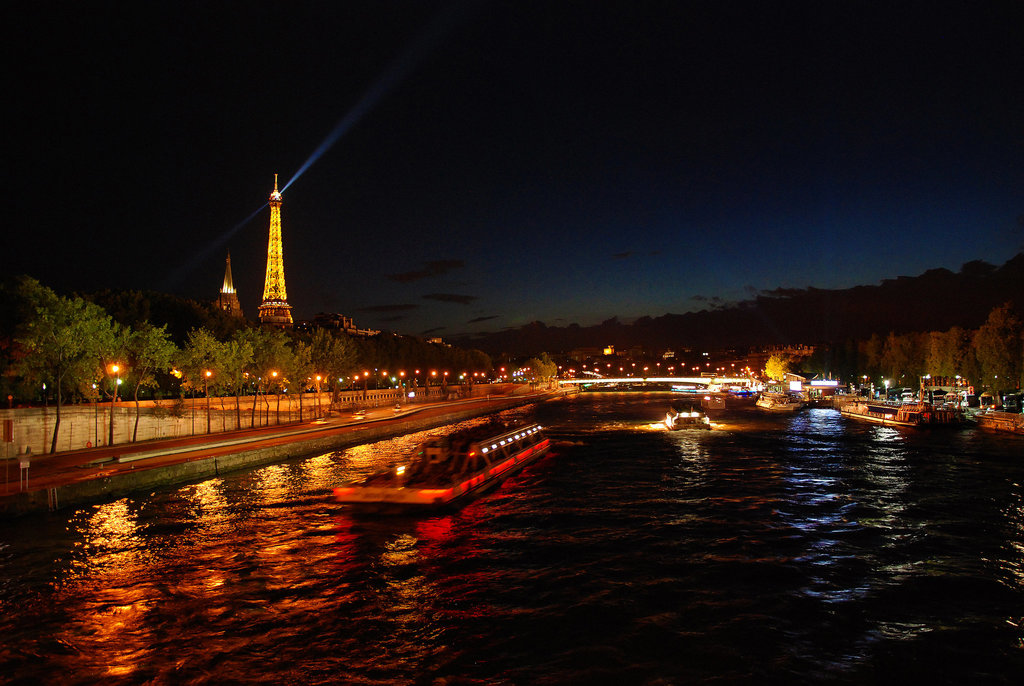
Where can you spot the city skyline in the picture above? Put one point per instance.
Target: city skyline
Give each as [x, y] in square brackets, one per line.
[462, 167]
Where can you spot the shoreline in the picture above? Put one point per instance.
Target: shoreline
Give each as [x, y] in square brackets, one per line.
[97, 475]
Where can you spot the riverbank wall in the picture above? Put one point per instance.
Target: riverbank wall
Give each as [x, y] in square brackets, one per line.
[89, 425]
[140, 479]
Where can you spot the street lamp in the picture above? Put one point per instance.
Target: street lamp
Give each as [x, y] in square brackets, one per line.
[206, 390]
[318, 377]
[116, 371]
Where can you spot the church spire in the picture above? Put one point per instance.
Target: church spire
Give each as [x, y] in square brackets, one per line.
[229, 282]
[228, 299]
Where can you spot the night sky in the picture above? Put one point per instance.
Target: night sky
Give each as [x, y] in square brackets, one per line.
[496, 163]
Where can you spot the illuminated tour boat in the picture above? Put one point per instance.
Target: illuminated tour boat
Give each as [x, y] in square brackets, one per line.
[920, 414]
[450, 470]
[686, 416]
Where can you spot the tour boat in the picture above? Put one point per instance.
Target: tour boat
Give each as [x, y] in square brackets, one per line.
[778, 402]
[906, 414]
[450, 470]
[686, 416]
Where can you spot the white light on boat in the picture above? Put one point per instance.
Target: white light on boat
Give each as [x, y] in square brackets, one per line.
[401, 470]
[484, 450]
[494, 446]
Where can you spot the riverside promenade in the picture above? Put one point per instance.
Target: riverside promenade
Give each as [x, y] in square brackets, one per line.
[71, 478]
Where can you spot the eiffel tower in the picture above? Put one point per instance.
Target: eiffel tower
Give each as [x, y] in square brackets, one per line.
[275, 310]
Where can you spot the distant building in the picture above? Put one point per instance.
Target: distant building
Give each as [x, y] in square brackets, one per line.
[228, 299]
[585, 354]
[336, 322]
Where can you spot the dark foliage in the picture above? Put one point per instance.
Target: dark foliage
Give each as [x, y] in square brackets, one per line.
[933, 301]
[180, 315]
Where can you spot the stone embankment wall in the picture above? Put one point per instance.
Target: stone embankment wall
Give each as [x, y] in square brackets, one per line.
[123, 483]
[88, 425]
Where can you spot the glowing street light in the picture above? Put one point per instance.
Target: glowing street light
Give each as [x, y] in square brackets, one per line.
[115, 370]
[206, 389]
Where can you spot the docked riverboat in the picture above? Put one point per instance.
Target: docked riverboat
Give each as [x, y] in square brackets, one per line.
[723, 402]
[778, 402]
[686, 416]
[449, 471]
[919, 414]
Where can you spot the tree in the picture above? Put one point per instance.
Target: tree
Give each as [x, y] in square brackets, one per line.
[298, 370]
[235, 363]
[904, 355]
[777, 366]
[998, 347]
[148, 351]
[950, 353]
[332, 357]
[271, 353]
[198, 361]
[871, 352]
[541, 368]
[62, 340]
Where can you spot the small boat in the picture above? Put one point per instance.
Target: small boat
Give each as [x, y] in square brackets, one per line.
[778, 402]
[906, 414]
[686, 416]
[449, 471]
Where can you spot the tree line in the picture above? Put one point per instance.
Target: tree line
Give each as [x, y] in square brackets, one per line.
[70, 349]
[989, 357]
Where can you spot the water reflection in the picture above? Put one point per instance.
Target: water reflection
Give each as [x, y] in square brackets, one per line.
[797, 549]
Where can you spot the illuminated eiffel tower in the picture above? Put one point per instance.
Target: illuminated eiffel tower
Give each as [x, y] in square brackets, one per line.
[275, 310]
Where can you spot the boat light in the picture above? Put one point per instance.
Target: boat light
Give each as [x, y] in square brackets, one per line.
[400, 470]
[484, 450]
[435, 492]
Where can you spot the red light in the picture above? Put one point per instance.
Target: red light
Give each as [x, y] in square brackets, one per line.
[435, 492]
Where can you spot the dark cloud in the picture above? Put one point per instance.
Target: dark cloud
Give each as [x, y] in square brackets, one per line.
[430, 331]
[433, 268]
[450, 298]
[622, 255]
[387, 308]
[477, 320]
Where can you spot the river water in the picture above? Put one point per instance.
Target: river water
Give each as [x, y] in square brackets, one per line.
[773, 549]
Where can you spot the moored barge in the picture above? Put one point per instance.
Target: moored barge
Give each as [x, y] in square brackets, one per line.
[1012, 422]
[449, 471]
[778, 402]
[920, 414]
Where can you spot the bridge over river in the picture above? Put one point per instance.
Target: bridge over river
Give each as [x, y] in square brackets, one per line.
[705, 381]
